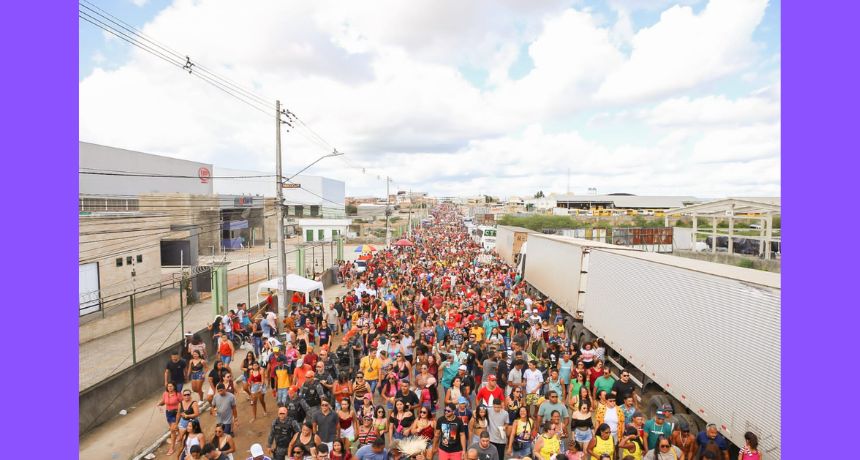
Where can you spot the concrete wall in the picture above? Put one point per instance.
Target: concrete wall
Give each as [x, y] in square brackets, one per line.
[102, 402]
[117, 321]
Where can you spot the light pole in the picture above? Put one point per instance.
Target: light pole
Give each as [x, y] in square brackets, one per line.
[279, 192]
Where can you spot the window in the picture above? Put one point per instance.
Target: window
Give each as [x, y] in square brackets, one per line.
[315, 211]
[334, 233]
[128, 260]
[321, 234]
[119, 261]
[300, 211]
[309, 235]
[108, 204]
[140, 258]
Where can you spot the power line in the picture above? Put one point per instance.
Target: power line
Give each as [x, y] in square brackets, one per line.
[170, 176]
[187, 65]
[146, 43]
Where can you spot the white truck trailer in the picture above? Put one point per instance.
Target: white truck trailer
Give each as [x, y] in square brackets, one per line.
[509, 242]
[707, 334]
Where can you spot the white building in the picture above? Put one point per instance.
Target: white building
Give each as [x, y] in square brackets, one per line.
[316, 196]
[323, 229]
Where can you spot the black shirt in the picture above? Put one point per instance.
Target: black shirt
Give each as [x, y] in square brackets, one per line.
[177, 370]
[449, 437]
[622, 390]
[410, 398]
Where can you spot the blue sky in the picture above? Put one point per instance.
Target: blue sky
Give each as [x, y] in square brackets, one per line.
[577, 102]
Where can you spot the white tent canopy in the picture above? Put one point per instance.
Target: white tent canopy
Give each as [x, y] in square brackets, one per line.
[295, 283]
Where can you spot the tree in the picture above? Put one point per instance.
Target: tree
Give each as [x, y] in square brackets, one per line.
[539, 194]
[351, 210]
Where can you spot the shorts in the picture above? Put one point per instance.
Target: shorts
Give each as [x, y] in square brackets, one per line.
[183, 423]
[348, 433]
[531, 398]
[582, 435]
[171, 416]
[524, 451]
[450, 455]
[256, 388]
[197, 375]
[226, 359]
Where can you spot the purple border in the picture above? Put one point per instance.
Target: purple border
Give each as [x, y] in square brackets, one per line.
[40, 73]
[819, 165]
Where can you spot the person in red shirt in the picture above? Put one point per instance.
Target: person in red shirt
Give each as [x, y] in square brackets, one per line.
[490, 391]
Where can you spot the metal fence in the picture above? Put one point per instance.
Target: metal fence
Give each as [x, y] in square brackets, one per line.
[142, 322]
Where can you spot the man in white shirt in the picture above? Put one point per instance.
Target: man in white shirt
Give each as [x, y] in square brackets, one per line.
[272, 319]
[515, 377]
[534, 381]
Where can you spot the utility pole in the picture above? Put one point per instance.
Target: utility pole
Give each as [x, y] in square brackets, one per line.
[387, 211]
[279, 203]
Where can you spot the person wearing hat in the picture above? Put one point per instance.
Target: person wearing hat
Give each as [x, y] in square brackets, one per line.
[490, 392]
[313, 393]
[257, 453]
[656, 427]
[371, 367]
[685, 440]
[283, 428]
[450, 437]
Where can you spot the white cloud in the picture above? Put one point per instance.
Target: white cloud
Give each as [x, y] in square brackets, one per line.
[713, 110]
[140, 3]
[685, 49]
[381, 81]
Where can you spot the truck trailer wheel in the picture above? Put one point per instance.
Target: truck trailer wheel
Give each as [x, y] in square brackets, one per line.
[656, 402]
[691, 421]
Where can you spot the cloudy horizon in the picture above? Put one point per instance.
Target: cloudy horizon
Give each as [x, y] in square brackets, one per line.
[650, 97]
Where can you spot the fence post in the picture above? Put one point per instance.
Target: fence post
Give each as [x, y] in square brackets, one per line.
[268, 273]
[182, 307]
[249, 282]
[133, 346]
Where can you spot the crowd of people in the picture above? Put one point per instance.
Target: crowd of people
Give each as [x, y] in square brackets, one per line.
[435, 351]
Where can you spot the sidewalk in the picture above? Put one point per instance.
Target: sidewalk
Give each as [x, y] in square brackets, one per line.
[125, 436]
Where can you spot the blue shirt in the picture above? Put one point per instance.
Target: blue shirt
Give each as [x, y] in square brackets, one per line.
[564, 369]
[704, 440]
[367, 453]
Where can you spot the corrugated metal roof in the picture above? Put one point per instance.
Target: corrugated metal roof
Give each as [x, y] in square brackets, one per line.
[631, 201]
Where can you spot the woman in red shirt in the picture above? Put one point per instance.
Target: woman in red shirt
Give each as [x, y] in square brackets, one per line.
[170, 400]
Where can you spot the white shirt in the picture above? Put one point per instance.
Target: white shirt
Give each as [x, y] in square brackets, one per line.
[514, 376]
[611, 419]
[534, 378]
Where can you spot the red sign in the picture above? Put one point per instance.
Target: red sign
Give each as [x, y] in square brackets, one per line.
[204, 174]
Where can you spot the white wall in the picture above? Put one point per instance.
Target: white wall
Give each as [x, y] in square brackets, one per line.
[111, 160]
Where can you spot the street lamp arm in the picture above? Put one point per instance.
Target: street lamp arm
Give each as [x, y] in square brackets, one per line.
[334, 153]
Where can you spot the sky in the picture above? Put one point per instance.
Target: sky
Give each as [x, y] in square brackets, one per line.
[454, 98]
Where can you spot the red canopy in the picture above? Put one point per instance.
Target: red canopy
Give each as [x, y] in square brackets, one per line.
[404, 242]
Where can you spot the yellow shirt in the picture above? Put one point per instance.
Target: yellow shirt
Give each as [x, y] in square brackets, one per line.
[370, 365]
[550, 447]
[604, 446]
[637, 452]
[478, 332]
[283, 378]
